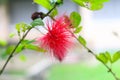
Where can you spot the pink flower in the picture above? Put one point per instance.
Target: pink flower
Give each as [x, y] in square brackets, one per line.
[58, 39]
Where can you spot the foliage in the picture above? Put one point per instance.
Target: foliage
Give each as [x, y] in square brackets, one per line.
[74, 21]
[91, 4]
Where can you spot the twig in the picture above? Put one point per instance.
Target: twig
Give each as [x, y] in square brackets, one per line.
[11, 55]
[90, 51]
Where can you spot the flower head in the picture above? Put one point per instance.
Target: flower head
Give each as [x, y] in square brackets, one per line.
[58, 38]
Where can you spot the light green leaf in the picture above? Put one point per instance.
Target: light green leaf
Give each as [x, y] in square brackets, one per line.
[101, 57]
[78, 29]
[116, 56]
[82, 40]
[37, 22]
[79, 2]
[34, 47]
[59, 2]
[28, 44]
[3, 43]
[75, 18]
[45, 3]
[54, 13]
[11, 35]
[107, 54]
[91, 4]
[23, 57]
[22, 27]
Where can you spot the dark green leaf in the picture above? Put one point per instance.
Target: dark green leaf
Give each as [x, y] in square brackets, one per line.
[82, 40]
[37, 22]
[78, 29]
[116, 56]
[101, 57]
[75, 18]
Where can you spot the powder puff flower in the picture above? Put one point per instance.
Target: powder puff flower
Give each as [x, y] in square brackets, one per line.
[58, 38]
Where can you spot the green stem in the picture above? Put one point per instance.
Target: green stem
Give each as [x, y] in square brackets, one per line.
[109, 69]
[90, 51]
[11, 55]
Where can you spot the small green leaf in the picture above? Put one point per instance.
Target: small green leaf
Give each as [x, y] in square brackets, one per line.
[78, 29]
[23, 57]
[28, 44]
[101, 57]
[11, 35]
[22, 27]
[91, 4]
[116, 56]
[19, 48]
[9, 49]
[79, 2]
[37, 22]
[107, 54]
[54, 13]
[75, 18]
[45, 3]
[3, 43]
[82, 40]
[34, 47]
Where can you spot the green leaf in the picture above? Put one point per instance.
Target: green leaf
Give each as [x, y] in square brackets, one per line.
[23, 57]
[28, 44]
[27, 41]
[37, 22]
[9, 49]
[75, 18]
[107, 54]
[3, 54]
[78, 29]
[116, 56]
[79, 2]
[91, 4]
[19, 48]
[101, 57]
[59, 2]
[3, 43]
[54, 13]
[22, 27]
[45, 3]
[11, 35]
[82, 40]
[34, 47]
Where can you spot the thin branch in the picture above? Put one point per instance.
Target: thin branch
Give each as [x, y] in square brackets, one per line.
[11, 55]
[91, 52]
[109, 69]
